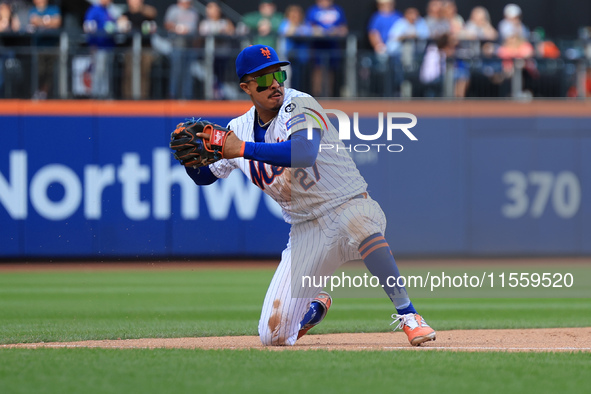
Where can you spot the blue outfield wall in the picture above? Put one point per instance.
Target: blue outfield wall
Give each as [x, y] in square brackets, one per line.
[84, 186]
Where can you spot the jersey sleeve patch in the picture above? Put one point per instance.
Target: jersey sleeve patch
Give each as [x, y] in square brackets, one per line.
[294, 120]
[306, 112]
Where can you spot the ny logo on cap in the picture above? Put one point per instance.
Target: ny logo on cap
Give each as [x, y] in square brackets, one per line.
[266, 52]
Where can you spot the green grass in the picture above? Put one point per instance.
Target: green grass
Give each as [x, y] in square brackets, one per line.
[200, 371]
[65, 306]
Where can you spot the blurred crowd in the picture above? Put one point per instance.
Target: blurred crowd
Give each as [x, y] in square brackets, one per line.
[452, 42]
[437, 43]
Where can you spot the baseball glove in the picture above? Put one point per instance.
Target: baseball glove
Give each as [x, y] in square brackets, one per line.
[198, 143]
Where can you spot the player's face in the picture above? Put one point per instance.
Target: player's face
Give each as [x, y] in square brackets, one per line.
[270, 97]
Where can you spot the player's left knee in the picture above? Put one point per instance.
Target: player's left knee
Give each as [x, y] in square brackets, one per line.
[275, 331]
[269, 338]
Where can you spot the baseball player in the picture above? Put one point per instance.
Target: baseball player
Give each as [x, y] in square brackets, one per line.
[322, 194]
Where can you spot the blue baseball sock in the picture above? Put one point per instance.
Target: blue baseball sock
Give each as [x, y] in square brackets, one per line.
[314, 314]
[378, 259]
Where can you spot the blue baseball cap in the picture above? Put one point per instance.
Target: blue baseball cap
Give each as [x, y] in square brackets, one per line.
[256, 57]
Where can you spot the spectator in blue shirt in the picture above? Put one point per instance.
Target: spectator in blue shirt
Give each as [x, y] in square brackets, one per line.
[294, 29]
[327, 20]
[380, 24]
[99, 24]
[44, 18]
[511, 25]
[294, 26]
[412, 26]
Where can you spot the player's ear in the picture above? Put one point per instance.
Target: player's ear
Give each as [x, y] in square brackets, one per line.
[245, 88]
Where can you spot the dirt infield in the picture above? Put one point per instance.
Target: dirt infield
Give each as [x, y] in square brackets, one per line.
[522, 340]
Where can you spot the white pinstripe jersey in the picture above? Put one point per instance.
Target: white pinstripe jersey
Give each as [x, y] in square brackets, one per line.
[303, 193]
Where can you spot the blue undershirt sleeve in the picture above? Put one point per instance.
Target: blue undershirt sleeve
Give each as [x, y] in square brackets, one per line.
[297, 152]
[202, 175]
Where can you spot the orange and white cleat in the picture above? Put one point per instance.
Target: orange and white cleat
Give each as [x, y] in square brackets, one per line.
[415, 327]
[326, 300]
